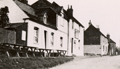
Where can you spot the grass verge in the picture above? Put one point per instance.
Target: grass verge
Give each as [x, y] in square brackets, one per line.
[31, 63]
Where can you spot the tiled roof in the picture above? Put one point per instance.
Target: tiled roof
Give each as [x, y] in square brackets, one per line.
[15, 13]
[111, 41]
[58, 10]
[74, 19]
[26, 8]
[13, 25]
[97, 30]
[43, 10]
[56, 7]
[36, 4]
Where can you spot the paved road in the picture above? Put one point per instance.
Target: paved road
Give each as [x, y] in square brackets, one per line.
[105, 62]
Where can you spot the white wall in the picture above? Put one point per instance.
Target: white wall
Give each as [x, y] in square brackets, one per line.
[98, 49]
[62, 31]
[62, 24]
[81, 41]
[104, 43]
[41, 41]
[95, 49]
[78, 48]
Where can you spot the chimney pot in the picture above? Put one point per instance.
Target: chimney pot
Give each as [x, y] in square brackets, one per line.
[98, 27]
[89, 22]
[70, 12]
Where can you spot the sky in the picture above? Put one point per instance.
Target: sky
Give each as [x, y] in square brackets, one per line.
[102, 13]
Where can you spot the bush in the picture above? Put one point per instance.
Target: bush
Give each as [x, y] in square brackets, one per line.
[31, 63]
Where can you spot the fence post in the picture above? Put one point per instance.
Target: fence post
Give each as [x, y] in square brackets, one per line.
[7, 53]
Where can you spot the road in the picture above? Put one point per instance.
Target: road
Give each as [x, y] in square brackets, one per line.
[105, 62]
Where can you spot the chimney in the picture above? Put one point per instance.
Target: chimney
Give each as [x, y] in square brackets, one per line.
[98, 27]
[70, 12]
[90, 22]
[108, 37]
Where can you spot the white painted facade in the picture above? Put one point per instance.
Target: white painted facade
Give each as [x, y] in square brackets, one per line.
[92, 49]
[101, 49]
[61, 32]
[61, 35]
[16, 15]
[104, 45]
[76, 46]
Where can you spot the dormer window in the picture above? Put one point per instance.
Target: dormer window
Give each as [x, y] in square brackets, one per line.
[62, 18]
[62, 13]
[45, 18]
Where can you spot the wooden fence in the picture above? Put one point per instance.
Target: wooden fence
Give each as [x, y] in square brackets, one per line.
[14, 50]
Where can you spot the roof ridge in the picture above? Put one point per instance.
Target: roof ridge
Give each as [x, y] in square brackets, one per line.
[98, 30]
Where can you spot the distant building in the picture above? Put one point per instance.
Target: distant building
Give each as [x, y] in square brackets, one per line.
[112, 46]
[95, 42]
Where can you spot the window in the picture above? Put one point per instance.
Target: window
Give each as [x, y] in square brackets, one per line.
[45, 37]
[74, 43]
[79, 44]
[23, 35]
[103, 48]
[62, 13]
[52, 38]
[61, 41]
[61, 21]
[36, 31]
[45, 18]
[106, 48]
[76, 33]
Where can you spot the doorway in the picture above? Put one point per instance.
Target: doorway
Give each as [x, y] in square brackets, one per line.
[72, 45]
[45, 37]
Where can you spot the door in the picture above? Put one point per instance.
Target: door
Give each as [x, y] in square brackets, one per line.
[45, 37]
[72, 45]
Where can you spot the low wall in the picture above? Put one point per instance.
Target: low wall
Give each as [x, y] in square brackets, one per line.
[93, 49]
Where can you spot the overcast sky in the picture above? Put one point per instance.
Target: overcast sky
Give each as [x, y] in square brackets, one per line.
[105, 13]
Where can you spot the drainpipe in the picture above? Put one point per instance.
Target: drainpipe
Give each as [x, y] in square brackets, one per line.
[68, 40]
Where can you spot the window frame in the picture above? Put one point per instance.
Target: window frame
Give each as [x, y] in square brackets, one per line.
[52, 39]
[36, 35]
[23, 35]
[61, 41]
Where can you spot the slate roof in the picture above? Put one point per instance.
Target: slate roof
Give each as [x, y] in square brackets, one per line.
[25, 8]
[97, 30]
[77, 22]
[32, 13]
[13, 25]
[42, 10]
[15, 13]
[36, 4]
[57, 8]
[111, 41]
